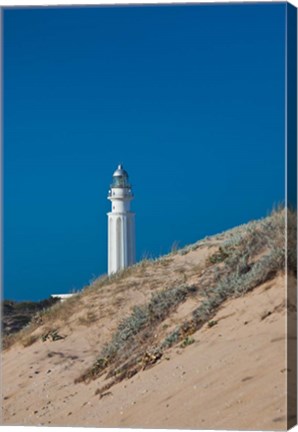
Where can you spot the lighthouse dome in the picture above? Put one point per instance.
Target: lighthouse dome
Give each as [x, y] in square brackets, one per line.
[120, 172]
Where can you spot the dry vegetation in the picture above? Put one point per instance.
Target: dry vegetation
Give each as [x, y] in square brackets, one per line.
[213, 305]
[248, 256]
[239, 260]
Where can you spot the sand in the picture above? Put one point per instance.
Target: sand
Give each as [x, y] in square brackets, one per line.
[232, 377]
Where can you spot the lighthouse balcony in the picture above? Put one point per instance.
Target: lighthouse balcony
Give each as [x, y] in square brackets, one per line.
[120, 193]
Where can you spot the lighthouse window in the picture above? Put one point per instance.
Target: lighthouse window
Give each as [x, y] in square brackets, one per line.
[120, 181]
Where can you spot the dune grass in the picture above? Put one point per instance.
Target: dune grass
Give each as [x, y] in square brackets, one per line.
[248, 256]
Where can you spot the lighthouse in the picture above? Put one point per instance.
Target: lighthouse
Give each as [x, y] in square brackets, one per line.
[121, 223]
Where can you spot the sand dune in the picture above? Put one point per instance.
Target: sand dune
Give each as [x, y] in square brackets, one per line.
[230, 374]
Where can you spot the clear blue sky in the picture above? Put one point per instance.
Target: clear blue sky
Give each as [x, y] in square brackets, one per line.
[189, 98]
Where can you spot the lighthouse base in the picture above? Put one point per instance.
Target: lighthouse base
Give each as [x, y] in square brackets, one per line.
[121, 241]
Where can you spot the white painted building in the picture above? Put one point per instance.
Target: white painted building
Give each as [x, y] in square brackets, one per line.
[63, 297]
[121, 223]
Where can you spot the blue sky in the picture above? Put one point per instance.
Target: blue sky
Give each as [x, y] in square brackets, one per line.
[189, 98]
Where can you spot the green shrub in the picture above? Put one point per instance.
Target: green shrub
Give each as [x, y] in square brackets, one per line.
[212, 323]
[218, 256]
[171, 339]
[187, 341]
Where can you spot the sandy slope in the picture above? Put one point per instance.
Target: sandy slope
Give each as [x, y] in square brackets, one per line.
[232, 376]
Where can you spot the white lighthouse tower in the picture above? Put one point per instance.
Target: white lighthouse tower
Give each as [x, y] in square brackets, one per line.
[121, 223]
